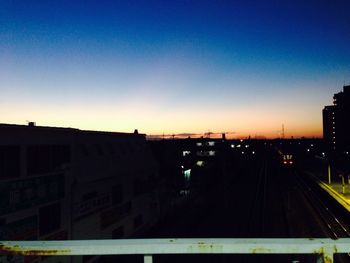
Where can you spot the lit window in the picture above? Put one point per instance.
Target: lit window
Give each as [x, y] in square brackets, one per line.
[185, 153]
[211, 143]
[200, 163]
[187, 174]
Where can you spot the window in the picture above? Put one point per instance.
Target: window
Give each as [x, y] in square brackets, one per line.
[118, 232]
[89, 196]
[117, 194]
[138, 221]
[211, 143]
[110, 148]
[49, 218]
[143, 186]
[99, 149]
[9, 161]
[83, 149]
[47, 158]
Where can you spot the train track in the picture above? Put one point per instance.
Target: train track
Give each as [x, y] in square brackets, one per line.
[258, 210]
[334, 224]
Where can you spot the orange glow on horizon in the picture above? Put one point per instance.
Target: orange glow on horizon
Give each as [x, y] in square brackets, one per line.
[256, 122]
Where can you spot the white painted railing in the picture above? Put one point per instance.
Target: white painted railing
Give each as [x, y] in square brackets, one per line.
[324, 248]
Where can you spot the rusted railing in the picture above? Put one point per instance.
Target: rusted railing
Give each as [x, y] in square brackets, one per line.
[323, 248]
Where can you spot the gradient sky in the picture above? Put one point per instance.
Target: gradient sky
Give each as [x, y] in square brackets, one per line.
[173, 66]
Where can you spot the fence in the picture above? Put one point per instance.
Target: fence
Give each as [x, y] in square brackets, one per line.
[323, 248]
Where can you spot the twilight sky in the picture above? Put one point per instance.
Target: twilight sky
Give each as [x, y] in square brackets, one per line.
[173, 66]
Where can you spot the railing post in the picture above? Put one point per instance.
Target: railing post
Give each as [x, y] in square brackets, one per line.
[147, 259]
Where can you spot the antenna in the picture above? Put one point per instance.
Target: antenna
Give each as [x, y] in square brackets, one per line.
[282, 131]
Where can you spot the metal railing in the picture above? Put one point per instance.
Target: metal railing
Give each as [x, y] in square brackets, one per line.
[323, 248]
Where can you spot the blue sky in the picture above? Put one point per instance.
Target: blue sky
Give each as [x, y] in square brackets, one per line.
[173, 66]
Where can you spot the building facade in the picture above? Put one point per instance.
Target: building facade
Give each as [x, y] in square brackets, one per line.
[328, 114]
[63, 183]
[336, 124]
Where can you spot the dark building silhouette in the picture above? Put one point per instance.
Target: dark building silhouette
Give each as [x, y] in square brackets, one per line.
[329, 126]
[63, 183]
[336, 124]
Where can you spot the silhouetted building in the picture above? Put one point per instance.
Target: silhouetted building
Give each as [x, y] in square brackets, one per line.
[329, 126]
[63, 183]
[336, 124]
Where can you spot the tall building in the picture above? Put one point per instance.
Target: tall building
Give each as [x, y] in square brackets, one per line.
[329, 126]
[336, 124]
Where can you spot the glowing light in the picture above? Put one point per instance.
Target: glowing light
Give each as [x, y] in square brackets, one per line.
[187, 174]
[200, 163]
[185, 153]
[253, 152]
[308, 150]
[232, 146]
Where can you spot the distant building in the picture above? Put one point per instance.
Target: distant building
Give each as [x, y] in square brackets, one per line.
[63, 183]
[329, 126]
[336, 124]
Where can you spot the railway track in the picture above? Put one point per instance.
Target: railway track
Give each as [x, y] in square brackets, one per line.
[258, 209]
[333, 224]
